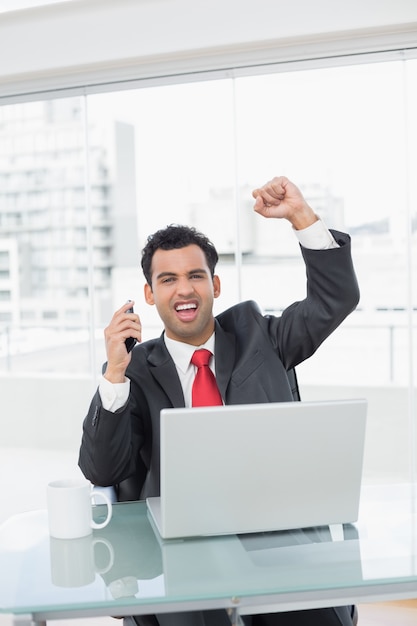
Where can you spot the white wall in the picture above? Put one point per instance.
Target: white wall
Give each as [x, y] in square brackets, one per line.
[92, 41]
[54, 426]
[44, 412]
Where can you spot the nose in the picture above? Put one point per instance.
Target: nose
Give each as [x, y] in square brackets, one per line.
[185, 286]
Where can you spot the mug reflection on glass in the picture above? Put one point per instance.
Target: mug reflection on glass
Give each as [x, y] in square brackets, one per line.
[73, 563]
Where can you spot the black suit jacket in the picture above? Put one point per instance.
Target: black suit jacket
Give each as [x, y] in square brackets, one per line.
[253, 352]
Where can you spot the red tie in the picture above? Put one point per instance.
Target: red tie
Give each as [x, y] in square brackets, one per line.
[205, 391]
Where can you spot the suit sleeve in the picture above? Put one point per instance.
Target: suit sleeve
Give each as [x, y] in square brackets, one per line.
[332, 294]
[108, 435]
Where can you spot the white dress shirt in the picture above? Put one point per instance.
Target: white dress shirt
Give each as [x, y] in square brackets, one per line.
[115, 395]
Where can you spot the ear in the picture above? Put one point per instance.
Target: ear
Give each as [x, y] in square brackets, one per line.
[216, 286]
[148, 294]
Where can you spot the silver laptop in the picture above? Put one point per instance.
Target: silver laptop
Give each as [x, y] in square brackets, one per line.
[259, 467]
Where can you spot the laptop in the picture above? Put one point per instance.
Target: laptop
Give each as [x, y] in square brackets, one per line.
[259, 467]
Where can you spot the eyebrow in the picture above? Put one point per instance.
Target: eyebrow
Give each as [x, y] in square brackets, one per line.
[194, 271]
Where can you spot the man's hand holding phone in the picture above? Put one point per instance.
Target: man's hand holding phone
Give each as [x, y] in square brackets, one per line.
[121, 335]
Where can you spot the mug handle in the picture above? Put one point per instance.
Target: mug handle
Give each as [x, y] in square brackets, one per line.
[110, 549]
[100, 494]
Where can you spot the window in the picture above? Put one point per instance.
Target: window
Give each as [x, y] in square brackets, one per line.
[192, 153]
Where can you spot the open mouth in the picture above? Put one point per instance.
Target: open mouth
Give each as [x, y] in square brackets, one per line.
[186, 311]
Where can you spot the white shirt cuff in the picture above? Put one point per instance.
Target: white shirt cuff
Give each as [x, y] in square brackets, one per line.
[316, 237]
[113, 395]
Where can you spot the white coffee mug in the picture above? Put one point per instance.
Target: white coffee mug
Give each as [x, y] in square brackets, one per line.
[70, 509]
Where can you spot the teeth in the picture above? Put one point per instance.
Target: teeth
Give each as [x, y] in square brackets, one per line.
[184, 307]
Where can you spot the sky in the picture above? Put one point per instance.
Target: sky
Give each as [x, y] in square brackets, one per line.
[340, 127]
[343, 128]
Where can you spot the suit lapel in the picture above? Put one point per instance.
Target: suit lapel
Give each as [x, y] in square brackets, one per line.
[225, 357]
[163, 369]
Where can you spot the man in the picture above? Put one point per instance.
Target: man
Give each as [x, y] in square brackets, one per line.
[251, 354]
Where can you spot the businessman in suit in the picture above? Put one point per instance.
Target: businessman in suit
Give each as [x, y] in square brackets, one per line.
[251, 354]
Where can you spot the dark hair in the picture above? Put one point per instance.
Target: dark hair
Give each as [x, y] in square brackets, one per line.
[173, 237]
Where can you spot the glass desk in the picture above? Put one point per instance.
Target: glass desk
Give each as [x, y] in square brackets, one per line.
[127, 569]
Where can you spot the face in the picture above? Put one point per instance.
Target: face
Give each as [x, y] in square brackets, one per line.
[183, 292]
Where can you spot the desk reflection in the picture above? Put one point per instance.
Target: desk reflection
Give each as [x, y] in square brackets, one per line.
[262, 562]
[136, 550]
[127, 564]
[256, 562]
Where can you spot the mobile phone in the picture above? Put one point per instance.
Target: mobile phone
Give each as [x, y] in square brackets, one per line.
[130, 341]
